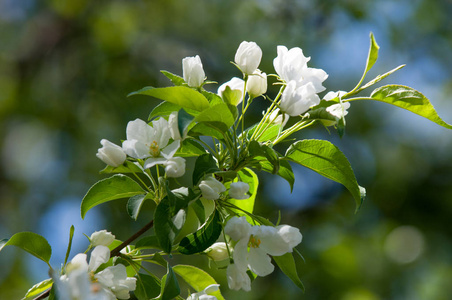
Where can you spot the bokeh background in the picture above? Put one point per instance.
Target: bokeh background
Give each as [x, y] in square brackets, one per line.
[67, 66]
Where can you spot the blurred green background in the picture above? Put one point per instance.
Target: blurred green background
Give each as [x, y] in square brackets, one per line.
[67, 66]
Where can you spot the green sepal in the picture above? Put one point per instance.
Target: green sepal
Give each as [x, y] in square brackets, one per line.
[203, 238]
[327, 160]
[116, 187]
[31, 242]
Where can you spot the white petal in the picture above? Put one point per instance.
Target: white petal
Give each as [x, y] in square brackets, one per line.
[162, 133]
[139, 130]
[170, 150]
[100, 255]
[291, 235]
[135, 149]
[259, 262]
[238, 228]
[152, 161]
[79, 262]
[237, 278]
[271, 241]
[102, 237]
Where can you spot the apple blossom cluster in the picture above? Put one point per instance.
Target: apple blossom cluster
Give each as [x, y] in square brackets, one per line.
[212, 214]
[81, 281]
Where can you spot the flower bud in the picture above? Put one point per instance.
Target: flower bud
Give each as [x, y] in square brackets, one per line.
[257, 84]
[175, 167]
[211, 188]
[193, 72]
[218, 251]
[238, 190]
[233, 95]
[248, 57]
[101, 237]
[111, 154]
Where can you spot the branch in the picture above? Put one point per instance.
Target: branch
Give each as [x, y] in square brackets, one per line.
[114, 252]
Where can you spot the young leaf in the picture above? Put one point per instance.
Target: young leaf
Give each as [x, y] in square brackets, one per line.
[116, 187]
[176, 79]
[379, 78]
[248, 176]
[409, 99]
[286, 263]
[183, 96]
[170, 286]
[327, 160]
[135, 203]
[163, 109]
[196, 278]
[31, 242]
[213, 99]
[371, 59]
[205, 164]
[69, 246]
[39, 288]
[167, 224]
[218, 116]
[148, 287]
[203, 238]
[189, 148]
[127, 167]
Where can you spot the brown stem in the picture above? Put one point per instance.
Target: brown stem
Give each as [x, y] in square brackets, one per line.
[114, 252]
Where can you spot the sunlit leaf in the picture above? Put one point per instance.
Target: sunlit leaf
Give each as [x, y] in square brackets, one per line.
[183, 96]
[196, 278]
[31, 242]
[116, 187]
[327, 160]
[39, 288]
[163, 109]
[218, 116]
[176, 79]
[127, 167]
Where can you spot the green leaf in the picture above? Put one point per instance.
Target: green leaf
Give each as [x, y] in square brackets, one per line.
[183, 121]
[116, 187]
[286, 263]
[163, 109]
[148, 242]
[327, 160]
[167, 224]
[248, 176]
[213, 99]
[270, 133]
[371, 59]
[135, 203]
[189, 148]
[203, 129]
[147, 287]
[285, 171]
[127, 167]
[257, 149]
[196, 278]
[176, 79]
[180, 95]
[232, 97]
[204, 237]
[39, 288]
[69, 246]
[409, 99]
[205, 164]
[379, 78]
[31, 242]
[170, 286]
[219, 117]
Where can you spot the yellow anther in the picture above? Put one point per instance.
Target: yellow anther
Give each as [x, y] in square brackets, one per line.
[154, 149]
[254, 242]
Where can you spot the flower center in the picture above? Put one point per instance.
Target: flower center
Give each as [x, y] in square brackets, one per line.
[154, 149]
[254, 242]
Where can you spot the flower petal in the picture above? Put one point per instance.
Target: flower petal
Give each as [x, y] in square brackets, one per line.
[259, 262]
[152, 161]
[100, 255]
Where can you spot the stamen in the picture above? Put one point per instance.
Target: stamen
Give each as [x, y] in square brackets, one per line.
[154, 149]
[254, 242]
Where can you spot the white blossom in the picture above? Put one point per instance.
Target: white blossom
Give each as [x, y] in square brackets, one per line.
[296, 100]
[101, 237]
[257, 84]
[193, 72]
[175, 167]
[111, 154]
[211, 188]
[237, 278]
[289, 64]
[205, 294]
[338, 110]
[248, 57]
[254, 246]
[150, 142]
[235, 95]
[238, 190]
[218, 251]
